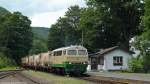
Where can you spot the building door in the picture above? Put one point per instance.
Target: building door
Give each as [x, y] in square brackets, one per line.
[94, 63]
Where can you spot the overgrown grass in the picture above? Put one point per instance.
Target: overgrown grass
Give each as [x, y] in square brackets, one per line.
[9, 68]
[6, 62]
[56, 79]
[131, 73]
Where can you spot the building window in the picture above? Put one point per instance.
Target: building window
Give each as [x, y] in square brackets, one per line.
[118, 61]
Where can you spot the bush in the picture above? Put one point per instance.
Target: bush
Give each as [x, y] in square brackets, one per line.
[146, 63]
[135, 65]
[5, 61]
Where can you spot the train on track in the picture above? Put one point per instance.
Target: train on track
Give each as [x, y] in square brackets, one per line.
[66, 60]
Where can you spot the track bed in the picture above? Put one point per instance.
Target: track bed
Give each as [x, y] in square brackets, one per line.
[17, 77]
[111, 80]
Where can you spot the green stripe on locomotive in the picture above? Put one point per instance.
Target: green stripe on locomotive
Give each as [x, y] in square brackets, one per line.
[71, 68]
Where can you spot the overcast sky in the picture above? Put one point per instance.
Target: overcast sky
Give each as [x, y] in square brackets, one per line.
[42, 13]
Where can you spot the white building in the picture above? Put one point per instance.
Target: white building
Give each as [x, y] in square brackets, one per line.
[113, 58]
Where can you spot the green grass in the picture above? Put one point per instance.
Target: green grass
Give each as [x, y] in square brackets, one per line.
[55, 78]
[9, 68]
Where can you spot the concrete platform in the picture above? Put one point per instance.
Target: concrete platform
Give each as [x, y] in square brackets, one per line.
[130, 76]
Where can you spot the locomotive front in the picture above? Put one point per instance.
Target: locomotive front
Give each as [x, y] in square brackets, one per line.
[74, 59]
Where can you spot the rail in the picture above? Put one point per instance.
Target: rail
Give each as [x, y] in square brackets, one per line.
[5, 74]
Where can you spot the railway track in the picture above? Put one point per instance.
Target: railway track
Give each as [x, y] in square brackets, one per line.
[98, 80]
[110, 80]
[92, 79]
[95, 79]
[6, 74]
[16, 76]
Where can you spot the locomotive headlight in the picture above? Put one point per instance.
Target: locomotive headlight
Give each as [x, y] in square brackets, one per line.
[85, 63]
[70, 63]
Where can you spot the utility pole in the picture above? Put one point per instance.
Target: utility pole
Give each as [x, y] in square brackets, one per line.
[82, 42]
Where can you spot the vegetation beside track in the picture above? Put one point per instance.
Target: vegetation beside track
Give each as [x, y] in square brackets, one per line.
[9, 68]
[55, 78]
[6, 63]
[134, 74]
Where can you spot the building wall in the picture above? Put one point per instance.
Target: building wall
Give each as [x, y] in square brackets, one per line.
[108, 60]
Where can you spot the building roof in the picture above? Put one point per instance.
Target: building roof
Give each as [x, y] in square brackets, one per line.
[104, 51]
[107, 50]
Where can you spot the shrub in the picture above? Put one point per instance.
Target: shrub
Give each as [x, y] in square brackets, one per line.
[146, 62]
[135, 65]
[5, 61]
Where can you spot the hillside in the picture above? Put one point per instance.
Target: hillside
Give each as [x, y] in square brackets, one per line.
[39, 40]
[40, 32]
[3, 11]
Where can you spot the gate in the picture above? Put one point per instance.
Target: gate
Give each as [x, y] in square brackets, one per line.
[94, 63]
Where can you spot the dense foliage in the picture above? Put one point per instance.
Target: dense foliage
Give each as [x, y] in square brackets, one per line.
[114, 21]
[102, 24]
[6, 61]
[15, 35]
[66, 31]
[40, 36]
[136, 65]
[142, 42]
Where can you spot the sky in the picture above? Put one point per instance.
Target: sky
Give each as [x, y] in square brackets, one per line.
[42, 13]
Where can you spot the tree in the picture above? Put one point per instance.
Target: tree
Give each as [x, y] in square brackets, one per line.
[143, 41]
[97, 34]
[66, 31]
[71, 26]
[17, 36]
[145, 46]
[4, 14]
[118, 19]
[54, 39]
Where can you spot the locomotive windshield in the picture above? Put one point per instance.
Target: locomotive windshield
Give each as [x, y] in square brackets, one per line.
[81, 52]
[76, 52]
[72, 52]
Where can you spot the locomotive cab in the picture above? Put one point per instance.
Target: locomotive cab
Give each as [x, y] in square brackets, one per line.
[77, 56]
